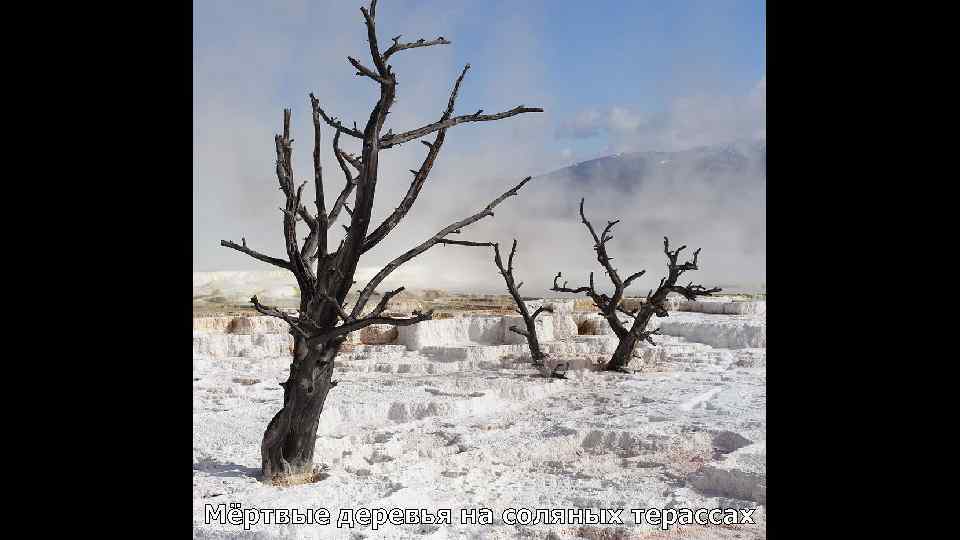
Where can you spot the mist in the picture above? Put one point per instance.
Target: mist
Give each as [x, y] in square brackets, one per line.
[252, 59]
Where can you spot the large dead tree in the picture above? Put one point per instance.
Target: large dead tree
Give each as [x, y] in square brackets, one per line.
[654, 303]
[325, 274]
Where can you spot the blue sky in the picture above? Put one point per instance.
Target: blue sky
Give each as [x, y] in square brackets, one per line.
[612, 76]
[593, 55]
[646, 52]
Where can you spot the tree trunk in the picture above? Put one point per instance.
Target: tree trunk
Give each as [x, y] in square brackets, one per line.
[533, 341]
[621, 357]
[628, 342]
[288, 443]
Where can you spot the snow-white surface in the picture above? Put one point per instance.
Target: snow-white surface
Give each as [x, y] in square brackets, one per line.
[741, 474]
[725, 307]
[232, 345]
[485, 330]
[729, 331]
[248, 336]
[464, 422]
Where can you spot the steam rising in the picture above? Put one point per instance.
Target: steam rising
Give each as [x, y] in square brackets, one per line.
[271, 55]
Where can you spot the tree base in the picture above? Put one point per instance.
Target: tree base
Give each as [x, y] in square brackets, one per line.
[295, 479]
[288, 442]
[619, 370]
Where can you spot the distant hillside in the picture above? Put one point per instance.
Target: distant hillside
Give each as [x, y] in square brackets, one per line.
[742, 163]
[710, 197]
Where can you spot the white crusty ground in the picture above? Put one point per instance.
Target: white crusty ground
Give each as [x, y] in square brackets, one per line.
[421, 429]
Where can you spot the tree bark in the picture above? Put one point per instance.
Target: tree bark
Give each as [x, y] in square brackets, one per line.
[628, 343]
[534, 342]
[288, 443]
[621, 357]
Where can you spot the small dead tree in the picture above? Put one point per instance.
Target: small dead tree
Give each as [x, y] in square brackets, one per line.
[325, 275]
[529, 320]
[653, 304]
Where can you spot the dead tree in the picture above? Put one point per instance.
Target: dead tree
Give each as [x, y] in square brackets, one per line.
[529, 320]
[325, 274]
[653, 304]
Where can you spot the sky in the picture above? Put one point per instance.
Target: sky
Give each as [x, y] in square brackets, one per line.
[612, 77]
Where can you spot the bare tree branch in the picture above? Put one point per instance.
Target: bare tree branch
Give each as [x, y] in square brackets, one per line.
[317, 241]
[311, 246]
[298, 265]
[629, 280]
[539, 310]
[294, 322]
[285, 172]
[517, 330]
[368, 175]
[400, 138]
[529, 320]
[335, 124]
[465, 243]
[646, 335]
[352, 160]
[382, 305]
[364, 70]
[306, 216]
[563, 288]
[256, 255]
[419, 176]
[602, 257]
[435, 239]
[691, 292]
[347, 189]
[397, 46]
[357, 324]
[369, 18]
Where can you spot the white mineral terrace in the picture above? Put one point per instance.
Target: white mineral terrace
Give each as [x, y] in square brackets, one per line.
[450, 414]
[744, 327]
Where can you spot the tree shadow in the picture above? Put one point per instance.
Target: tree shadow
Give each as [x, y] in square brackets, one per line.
[225, 470]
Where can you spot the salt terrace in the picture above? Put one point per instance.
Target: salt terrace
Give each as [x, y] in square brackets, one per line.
[451, 414]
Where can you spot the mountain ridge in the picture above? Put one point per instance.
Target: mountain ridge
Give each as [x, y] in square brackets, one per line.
[627, 170]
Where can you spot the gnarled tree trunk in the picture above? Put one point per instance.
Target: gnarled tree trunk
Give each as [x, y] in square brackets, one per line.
[628, 343]
[288, 443]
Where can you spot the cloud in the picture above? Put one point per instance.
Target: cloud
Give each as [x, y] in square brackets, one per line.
[699, 119]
